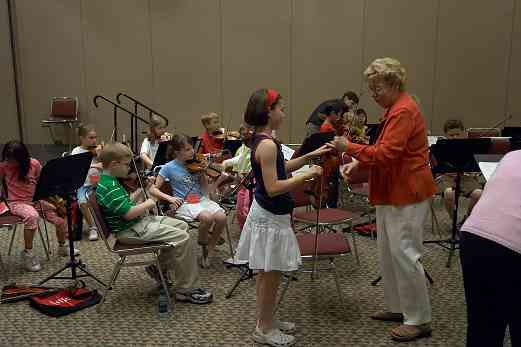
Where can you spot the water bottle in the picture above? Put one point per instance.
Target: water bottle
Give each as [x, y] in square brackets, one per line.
[163, 305]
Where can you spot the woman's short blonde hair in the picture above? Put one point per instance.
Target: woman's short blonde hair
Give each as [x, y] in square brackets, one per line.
[388, 70]
[113, 152]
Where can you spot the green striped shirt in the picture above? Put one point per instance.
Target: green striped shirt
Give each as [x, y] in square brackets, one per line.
[114, 202]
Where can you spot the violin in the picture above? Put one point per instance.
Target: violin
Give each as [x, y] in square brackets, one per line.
[199, 164]
[330, 163]
[95, 149]
[59, 204]
[165, 137]
[222, 134]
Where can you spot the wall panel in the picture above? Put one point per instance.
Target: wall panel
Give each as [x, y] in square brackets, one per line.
[514, 88]
[117, 57]
[186, 52]
[327, 54]
[411, 41]
[7, 90]
[472, 53]
[256, 54]
[50, 55]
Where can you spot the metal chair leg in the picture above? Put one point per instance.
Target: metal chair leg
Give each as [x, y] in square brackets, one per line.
[113, 276]
[163, 281]
[355, 247]
[337, 282]
[45, 246]
[3, 269]
[14, 227]
[230, 244]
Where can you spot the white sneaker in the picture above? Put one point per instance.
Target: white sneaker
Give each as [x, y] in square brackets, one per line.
[286, 327]
[274, 338]
[93, 233]
[30, 261]
[63, 250]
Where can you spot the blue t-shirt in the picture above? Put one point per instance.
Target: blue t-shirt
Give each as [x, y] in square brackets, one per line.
[181, 181]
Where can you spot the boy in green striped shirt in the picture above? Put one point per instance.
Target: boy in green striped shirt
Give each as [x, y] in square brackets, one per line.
[130, 226]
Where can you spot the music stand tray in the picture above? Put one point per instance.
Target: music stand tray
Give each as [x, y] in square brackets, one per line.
[457, 156]
[161, 154]
[62, 177]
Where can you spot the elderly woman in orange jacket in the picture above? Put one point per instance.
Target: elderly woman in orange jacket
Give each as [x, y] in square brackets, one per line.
[400, 185]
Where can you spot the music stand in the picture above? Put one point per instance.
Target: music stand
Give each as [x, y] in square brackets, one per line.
[232, 146]
[62, 177]
[514, 132]
[457, 156]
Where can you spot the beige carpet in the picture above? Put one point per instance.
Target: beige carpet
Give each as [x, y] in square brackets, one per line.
[130, 315]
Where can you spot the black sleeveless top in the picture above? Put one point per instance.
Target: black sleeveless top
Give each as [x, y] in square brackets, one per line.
[280, 204]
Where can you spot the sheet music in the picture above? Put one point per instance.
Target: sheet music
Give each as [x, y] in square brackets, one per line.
[487, 169]
[287, 152]
[432, 140]
[302, 170]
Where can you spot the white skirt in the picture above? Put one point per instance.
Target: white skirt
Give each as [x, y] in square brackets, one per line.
[268, 242]
[191, 211]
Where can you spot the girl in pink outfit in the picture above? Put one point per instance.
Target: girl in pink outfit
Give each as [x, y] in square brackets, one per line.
[19, 173]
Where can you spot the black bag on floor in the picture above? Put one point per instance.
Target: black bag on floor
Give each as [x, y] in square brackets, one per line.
[65, 301]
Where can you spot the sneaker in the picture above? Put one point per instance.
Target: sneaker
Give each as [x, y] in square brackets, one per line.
[195, 296]
[286, 327]
[93, 233]
[63, 250]
[153, 272]
[30, 261]
[274, 337]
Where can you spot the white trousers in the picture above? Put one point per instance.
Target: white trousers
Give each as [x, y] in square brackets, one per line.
[400, 246]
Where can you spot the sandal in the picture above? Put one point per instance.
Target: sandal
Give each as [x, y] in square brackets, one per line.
[274, 338]
[404, 333]
[198, 296]
[388, 316]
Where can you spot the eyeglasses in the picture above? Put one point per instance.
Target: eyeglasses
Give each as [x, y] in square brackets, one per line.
[377, 89]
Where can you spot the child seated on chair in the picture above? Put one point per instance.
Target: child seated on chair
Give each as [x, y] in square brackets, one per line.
[87, 135]
[209, 143]
[20, 173]
[156, 133]
[470, 183]
[129, 225]
[241, 164]
[190, 192]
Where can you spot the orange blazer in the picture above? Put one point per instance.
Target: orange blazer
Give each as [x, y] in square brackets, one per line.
[399, 171]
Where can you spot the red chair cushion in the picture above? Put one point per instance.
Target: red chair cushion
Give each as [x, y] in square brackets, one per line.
[327, 244]
[326, 215]
[10, 220]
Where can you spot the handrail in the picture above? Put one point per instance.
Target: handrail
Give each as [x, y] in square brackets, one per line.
[117, 107]
[137, 102]
[133, 122]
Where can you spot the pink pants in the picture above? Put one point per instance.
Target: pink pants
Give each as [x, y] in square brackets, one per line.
[30, 212]
[242, 206]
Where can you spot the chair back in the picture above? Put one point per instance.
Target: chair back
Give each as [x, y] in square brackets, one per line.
[301, 196]
[99, 219]
[65, 108]
[476, 133]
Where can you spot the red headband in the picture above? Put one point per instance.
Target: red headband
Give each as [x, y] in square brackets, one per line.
[272, 96]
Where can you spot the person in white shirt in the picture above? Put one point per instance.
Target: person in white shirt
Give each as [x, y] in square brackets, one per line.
[87, 135]
[157, 128]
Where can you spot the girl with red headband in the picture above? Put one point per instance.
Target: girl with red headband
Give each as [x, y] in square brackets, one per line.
[268, 242]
